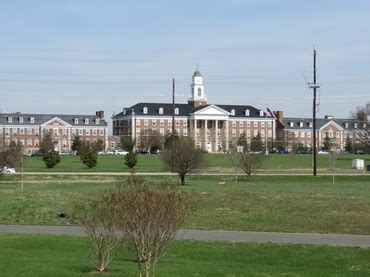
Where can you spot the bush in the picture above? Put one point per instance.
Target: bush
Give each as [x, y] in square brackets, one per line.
[90, 159]
[131, 160]
[51, 159]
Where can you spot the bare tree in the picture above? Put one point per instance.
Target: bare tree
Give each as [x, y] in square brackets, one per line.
[99, 219]
[150, 216]
[46, 144]
[250, 162]
[13, 156]
[182, 157]
[333, 154]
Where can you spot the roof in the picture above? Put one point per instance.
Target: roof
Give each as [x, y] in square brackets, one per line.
[185, 110]
[197, 73]
[320, 122]
[40, 119]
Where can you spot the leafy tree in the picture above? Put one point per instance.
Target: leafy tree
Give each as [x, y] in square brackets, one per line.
[51, 159]
[256, 144]
[131, 160]
[327, 144]
[182, 157]
[349, 145]
[46, 144]
[127, 143]
[76, 144]
[90, 159]
[98, 145]
[169, 139]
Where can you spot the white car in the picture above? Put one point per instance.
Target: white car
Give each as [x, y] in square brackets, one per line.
[120, 152]
[7, 170]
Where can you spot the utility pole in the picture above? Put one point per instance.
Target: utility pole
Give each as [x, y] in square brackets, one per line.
[173, 106]
[314, 86]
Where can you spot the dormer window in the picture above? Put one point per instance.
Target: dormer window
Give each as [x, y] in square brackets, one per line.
[145, 110]
[246, 112]
[310, 124]
[32, 120]
[355, 125]
[10, 119]
[160, 111]
[177, 111]
[124, 111]
[300, 124]
[291, 124]
[97, 120]
[76, 120]
[86, 121]
[232, 112]
[21, 120]
[261, 113]
[346, 125]
[364, 126]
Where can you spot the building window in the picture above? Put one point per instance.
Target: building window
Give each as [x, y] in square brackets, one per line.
[21, 120]
[161, 132]
[36, 142]
[233, 112]
[261, 113]
[87, 132]
[29, 131]
[154, 122]
[145, 110]
[177, 111]
[7, 131]
[185, 132]
[10, 119]
[81, 132]
[248, 133]
[241, 124]
[76, 120]
[269, 133]
[355, 125]
[137, 121]
[291, 124]
[296, 134]
[21, 141]
[255, 124]
[36, 131]
[302, 134]
[269, 124]
[169, 122]
[255, 133]
[21, 131]
[262, 124]
[246, 112]
[95, 132]
[300, 124]
[248, 124]
[346, 125]
[177, 122]
[185, 123]
[233, 124]
[330, 134]
[161, 122]
[64, 132]
[309, 134]
[234, 133]
[263, 133]
[29, 142]
[102, 132]
[97, 120]
[241, 133]
[337, 135]
[145, 122]
[310, 124]
[160, 110]
[86, 121]
[32, 120]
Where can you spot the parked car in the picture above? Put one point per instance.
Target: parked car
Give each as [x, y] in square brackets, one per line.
[323, 152]
[64, 153]
[7, 170]
[360, 152]
[283, 152]
[120, 152]
[143, 152]
[36, 154]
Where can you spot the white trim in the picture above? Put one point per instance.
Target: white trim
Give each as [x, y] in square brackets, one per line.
[57, 119]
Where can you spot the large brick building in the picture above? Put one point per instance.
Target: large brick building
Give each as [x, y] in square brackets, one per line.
[212, 126]
[29, 129]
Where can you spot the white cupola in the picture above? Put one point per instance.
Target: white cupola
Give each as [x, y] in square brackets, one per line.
[198, 97]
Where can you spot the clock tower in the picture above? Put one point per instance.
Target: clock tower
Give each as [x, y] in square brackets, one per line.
[198, 97]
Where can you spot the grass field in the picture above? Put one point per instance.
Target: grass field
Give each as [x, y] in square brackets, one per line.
[41, 255]
[283, 204]
[216, 162]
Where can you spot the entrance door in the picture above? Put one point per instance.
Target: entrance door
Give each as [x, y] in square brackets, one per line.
[209, 147]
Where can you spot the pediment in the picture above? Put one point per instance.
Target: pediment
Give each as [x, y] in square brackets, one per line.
[332, 123]
[56, 122]
[211, 110]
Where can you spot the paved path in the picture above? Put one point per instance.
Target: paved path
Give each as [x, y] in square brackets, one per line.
[272, 237]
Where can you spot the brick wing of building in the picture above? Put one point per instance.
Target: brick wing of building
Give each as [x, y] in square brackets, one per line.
[212, 126]
[29, 129]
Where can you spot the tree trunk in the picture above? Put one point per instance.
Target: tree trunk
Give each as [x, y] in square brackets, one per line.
[182, 177]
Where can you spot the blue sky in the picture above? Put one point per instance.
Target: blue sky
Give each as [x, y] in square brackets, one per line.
[81, 56]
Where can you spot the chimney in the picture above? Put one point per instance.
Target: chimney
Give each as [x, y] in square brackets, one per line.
[280, 116]
[329, 117]
[100, 114]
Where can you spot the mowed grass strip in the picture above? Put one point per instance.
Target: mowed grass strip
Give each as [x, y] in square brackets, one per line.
[42, 255]
[216, 163]
[279, 204]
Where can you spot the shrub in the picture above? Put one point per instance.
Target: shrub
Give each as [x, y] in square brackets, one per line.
[51, 159]
[90, 159]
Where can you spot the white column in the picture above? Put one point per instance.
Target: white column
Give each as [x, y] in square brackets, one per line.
[205, 133]
[227, 134]
[216, 135]
[195, 131]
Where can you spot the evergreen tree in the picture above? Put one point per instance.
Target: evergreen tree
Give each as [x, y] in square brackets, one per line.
[256, 144]
[131, 160]
[51, 159]
[76, 144]
[46, 144]
[242, 141]
[327, 144]
[90, 158]
[349, 145]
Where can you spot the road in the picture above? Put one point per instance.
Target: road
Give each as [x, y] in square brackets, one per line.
[205, 235]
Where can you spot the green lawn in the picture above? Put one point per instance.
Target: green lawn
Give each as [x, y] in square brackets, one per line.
[41, 255]
[216, 162]
[283, 204]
